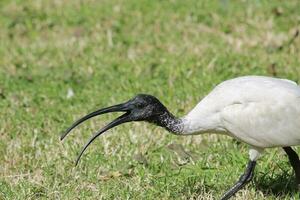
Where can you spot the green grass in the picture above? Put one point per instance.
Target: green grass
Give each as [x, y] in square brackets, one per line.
[108, 51]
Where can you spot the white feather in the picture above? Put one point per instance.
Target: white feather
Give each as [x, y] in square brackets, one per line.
[260, 111]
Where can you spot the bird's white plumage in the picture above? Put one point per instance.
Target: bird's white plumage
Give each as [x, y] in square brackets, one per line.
[261, 111]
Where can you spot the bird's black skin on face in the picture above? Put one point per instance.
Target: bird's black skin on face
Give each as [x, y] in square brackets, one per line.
[146, 108]
[143, 107]
[149, 108]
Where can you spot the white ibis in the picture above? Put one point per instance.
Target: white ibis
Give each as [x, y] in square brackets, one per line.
[263, 112]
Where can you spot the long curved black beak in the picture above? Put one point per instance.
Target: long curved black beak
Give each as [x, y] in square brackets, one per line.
[120, 120]
[115, 108]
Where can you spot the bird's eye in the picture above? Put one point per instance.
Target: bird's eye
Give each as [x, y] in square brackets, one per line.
[139, 105]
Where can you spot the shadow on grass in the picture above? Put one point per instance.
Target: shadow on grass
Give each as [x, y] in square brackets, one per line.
[279, 185]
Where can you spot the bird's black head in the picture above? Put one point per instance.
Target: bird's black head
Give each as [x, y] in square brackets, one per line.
[141, 108]
[145, 107]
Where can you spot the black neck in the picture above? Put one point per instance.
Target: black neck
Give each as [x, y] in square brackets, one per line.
[170, 122]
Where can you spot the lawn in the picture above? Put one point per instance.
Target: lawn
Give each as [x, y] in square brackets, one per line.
[62, 59]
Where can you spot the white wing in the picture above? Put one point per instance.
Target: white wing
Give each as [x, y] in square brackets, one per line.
[260, 111]
[263, 124]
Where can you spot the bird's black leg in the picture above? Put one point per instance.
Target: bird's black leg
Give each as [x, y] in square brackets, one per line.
[244, 179]
[295, 162]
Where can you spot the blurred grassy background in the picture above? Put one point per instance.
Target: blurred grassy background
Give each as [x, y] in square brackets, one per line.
[107, 51]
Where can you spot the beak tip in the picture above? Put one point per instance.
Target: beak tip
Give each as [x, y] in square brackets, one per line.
[62, 137]
[76, 163]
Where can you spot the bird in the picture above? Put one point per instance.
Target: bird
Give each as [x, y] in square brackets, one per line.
[261, 111]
